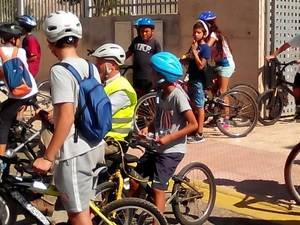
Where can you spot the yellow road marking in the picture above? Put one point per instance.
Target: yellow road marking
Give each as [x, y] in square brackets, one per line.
[255, 207]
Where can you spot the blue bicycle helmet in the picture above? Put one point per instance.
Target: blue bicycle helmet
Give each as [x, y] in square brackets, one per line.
[167, 65]
[27, 21]
[207, 15]
[146, 22]
[136, 22]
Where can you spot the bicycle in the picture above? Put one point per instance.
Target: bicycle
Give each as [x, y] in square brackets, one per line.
[272, 101]
[248, 89]
[20, 191]
[292, 173]
[241, 112]
[194, 190]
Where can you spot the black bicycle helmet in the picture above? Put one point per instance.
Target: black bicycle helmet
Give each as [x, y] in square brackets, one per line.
[10, 30]
[26, 21]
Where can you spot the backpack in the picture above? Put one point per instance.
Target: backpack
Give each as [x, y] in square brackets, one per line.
[16, 75]
[93, 117]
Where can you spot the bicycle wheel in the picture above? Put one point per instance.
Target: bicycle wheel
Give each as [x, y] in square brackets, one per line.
[194, 200]
[237, 113]
[105, 193]
[270, 107]
[292, 171]
[248, 89]
[44, 96]
[7, 210]
[145, 111]
[132, 211]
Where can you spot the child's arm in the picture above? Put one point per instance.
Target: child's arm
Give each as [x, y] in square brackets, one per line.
[190, 127]
[200, 62]
[128, 54]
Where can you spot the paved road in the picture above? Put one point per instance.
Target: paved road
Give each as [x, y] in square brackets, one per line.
[249, 175]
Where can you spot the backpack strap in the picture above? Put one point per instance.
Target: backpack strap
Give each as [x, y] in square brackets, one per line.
[73, 71]
[5, 57]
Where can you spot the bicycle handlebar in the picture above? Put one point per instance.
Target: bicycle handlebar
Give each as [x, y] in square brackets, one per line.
[147, 142]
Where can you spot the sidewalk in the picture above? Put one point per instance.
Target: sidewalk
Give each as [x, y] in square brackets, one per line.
[250, 168]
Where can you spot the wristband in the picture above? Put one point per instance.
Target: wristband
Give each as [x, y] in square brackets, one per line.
[47, 159]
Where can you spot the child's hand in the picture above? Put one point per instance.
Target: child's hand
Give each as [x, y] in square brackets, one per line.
[194, 45]
[163, 140]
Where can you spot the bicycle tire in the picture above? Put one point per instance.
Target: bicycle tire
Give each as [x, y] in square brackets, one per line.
[145, 111]
[7, 209]
[241, 115]
[132, 211]
[248, 89]
[291, 173]
[105, 193]
[207, 192]
[269, 110]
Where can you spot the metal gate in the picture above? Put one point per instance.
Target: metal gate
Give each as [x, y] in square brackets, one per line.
[284, 24]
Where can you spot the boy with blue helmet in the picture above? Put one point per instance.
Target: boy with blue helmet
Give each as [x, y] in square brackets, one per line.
[174, 101]
[30, 43]
[142, 48]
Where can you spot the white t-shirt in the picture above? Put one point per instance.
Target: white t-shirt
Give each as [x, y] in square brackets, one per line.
[8, 51]
[295, 41]
[65, 88]
[226, 51]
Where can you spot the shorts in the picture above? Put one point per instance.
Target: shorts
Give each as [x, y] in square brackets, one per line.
[297, 80]
[8, 112]
[74, 179]
[196, 94]
[226, 71]
[159, 168]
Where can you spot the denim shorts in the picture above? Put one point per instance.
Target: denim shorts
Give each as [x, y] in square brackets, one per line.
[196, 94]
[225, 71]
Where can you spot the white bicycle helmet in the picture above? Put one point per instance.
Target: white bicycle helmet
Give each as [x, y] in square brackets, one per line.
[61, 24]
[112, 52]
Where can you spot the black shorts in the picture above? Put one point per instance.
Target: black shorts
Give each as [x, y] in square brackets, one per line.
[297, 80]
[159, 168]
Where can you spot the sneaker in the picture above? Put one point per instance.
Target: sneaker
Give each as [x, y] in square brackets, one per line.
[197, 138]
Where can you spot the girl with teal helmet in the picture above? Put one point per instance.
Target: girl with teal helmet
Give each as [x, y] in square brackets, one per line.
[167, 65]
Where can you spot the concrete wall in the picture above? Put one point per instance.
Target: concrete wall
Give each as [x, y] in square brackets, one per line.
[238, 20]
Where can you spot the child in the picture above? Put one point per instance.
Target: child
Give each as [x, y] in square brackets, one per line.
[30, 43]
[172, 146]
[200, 53]
[10, 35]
[142, 48]
[73, 173]
[221, 52]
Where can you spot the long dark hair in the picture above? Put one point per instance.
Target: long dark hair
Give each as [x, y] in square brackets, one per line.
[221, 37]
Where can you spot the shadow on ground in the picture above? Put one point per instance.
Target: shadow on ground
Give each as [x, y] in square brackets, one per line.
[261, 191]
[245, 221]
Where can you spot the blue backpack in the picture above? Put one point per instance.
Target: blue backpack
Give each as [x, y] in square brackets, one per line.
[93, 116]
[16, 74]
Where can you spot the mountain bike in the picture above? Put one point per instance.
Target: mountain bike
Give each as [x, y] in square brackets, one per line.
[292, 173]
[21, 191]
[240, 112]
[193, 193]
[272, 101]
[248, 89]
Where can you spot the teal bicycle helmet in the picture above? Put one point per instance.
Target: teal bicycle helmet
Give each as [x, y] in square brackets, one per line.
[167, 65]
[145, 22]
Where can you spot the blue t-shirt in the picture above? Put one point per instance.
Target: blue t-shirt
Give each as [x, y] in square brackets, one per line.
[195, 74]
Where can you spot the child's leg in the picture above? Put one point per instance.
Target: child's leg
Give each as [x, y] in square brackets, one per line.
[159, 197]
[165, 166]
[200, 116]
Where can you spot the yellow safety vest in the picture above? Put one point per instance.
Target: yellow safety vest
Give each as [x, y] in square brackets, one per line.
[123, 118]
